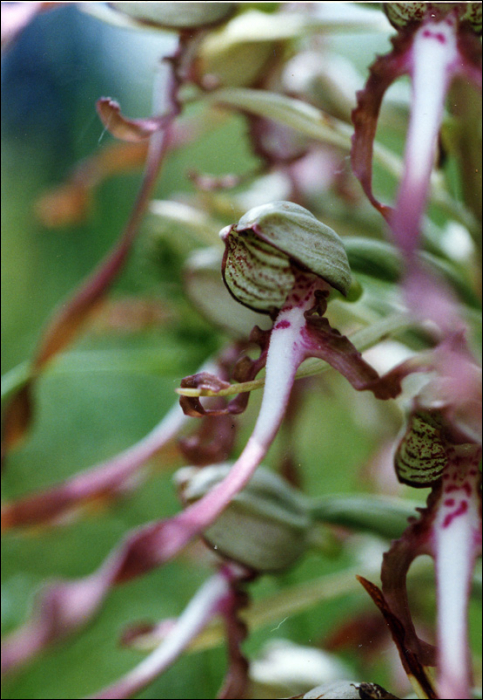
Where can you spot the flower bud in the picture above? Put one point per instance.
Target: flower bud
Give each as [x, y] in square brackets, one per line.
[265, 527]
[282, 668]
[402, 13]
[230, 57]
[171, 15]
[348, 690]
[445, 416]
[421, 455]
[178, 221]
[266, 245]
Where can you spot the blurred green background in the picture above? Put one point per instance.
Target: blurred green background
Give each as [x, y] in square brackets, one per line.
[51, 79]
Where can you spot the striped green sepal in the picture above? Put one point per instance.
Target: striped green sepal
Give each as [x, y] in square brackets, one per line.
[257, 274]
[422, 453]
[269, 244]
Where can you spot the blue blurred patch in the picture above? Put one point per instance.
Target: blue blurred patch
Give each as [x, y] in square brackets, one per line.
[45, 74]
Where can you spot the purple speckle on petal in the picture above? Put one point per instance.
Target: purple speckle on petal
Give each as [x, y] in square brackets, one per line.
[432, 35]
[449, 502]
[461, 510]
[282, 324]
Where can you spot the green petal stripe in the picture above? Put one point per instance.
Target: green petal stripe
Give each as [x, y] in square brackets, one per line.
[421, 455]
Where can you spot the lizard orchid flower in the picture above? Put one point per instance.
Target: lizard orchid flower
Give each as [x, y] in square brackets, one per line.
[281, 261]
[439, 449]
[436, 42]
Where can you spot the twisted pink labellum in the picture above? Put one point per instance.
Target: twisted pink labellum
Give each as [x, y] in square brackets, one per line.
[433, 53]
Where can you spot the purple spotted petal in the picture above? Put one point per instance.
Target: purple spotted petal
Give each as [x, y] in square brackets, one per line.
[433, 62]
[456, 543]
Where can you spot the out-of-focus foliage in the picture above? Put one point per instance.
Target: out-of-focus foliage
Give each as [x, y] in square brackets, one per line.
[110, 389]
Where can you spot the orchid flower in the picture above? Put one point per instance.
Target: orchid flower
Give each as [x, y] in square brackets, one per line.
[436, 43]
[281, 261]
[439, 449]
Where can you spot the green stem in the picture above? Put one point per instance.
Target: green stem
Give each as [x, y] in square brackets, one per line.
[379, 515]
